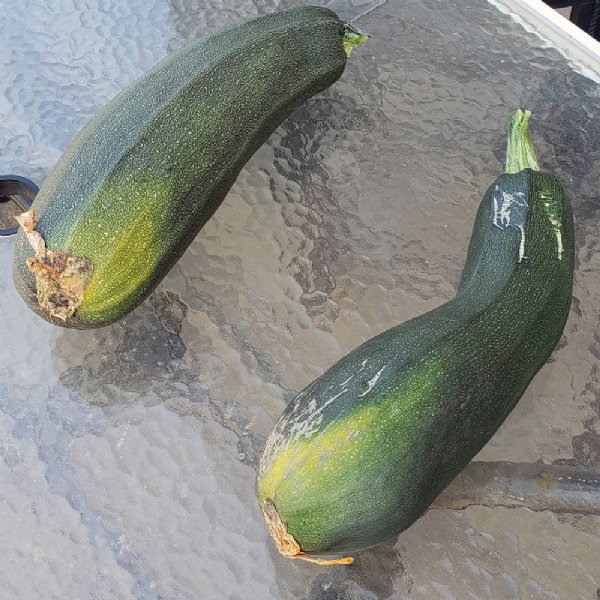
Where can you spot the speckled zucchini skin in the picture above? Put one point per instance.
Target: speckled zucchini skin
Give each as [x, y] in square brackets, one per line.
[361, 453]
[141, 179]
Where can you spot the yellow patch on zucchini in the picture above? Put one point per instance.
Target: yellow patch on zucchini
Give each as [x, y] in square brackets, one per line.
[132, 245]
[319, 466]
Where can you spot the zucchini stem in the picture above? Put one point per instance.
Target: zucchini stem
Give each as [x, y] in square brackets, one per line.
[285, 542]
[519, 148]
[60, 277]
[352, 37]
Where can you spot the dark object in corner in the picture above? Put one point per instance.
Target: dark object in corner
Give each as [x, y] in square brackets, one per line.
[584, 13]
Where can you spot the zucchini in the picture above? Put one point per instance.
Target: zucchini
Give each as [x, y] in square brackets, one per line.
[362, 452]
[147, 172]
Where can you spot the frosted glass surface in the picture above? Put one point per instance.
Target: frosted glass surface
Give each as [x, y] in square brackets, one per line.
[129, 453]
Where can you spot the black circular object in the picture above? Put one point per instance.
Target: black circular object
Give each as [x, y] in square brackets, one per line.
[18, 190]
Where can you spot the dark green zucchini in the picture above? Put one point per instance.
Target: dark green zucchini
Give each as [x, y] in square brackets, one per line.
[141, 179]
[362, 452]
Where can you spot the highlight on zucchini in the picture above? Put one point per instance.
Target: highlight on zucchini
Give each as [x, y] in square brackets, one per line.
[365, 449]
[147, 172]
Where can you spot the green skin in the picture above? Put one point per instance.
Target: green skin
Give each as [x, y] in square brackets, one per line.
[141, 179]
[362, 452]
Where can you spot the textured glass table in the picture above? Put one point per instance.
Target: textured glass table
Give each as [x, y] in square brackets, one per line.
[129, 453]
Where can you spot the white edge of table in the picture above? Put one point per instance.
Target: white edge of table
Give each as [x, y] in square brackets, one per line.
[581, 49]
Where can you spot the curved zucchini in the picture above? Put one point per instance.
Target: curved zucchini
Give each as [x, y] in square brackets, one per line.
[147, 172]
[362, 452]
